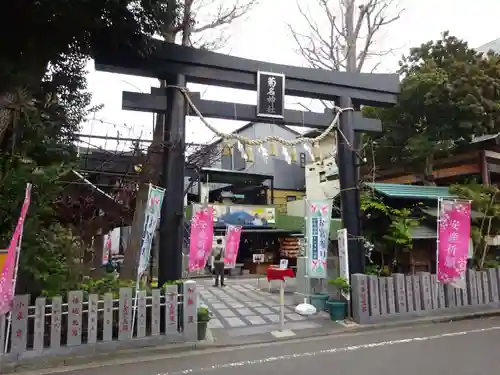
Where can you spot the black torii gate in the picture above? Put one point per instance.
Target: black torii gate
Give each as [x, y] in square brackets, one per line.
[178, 64]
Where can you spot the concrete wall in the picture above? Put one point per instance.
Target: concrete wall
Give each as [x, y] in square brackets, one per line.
[399, 297]
[296, 208]
[283, 197]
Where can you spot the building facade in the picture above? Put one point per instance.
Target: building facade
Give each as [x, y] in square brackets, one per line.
[289, 177]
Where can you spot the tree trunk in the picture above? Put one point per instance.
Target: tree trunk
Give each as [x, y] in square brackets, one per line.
[485, 249]
[428, 178]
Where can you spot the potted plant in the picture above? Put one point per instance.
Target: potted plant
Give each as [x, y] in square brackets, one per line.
[204, 317]
[318, 300]
[338, 308]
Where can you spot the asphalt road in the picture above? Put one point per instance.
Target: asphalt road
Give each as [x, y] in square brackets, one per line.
[460, 348]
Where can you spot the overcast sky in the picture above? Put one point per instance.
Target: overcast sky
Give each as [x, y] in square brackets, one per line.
[264, 35]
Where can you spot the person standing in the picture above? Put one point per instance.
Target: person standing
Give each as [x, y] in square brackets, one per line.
[219, 263]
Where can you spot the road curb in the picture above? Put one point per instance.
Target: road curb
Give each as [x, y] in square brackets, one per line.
[146, 354]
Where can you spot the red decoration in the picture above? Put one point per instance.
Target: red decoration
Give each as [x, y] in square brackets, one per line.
[74, 332]
[19, 315]
[190, 301]
[19, 333]
[190, 319]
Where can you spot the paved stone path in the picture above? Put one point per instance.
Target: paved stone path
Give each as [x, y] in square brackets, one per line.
[240, 304]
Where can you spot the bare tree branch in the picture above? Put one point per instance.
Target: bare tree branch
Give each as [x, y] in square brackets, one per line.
[226, 15]
[326, 43]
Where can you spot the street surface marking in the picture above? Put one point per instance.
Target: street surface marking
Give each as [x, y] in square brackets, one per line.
[325, 351]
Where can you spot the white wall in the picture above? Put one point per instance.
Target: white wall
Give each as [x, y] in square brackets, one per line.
[318, 185]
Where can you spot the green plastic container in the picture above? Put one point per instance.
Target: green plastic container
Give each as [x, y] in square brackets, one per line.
[319, 301]
[337, 309]
[202, 330]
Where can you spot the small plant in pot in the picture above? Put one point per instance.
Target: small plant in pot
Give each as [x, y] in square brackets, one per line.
[338, 308]
[341, 284]
[204, 316]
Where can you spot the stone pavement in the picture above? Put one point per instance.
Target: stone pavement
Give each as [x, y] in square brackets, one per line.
[240, 309]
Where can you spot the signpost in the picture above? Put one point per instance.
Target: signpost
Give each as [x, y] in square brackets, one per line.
[258, 258]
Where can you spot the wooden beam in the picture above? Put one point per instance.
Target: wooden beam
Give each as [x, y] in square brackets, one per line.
[156, 102]
[217, 69]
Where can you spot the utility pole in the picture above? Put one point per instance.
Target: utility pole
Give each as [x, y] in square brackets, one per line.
[348, 160]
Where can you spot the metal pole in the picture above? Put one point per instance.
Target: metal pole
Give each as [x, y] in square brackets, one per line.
[282, 305]
[172, 210]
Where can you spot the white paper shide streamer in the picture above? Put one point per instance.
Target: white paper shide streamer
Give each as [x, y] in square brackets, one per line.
[308, 149]
[242, 150]
[286, 155]
[264, 153]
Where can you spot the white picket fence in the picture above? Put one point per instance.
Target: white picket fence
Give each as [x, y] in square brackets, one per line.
[54, 327]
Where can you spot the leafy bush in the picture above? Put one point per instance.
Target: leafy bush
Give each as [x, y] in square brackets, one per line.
[341, 283]
[110, 283]
[204, 314]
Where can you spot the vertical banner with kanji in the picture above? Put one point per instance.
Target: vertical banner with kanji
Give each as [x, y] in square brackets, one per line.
[106, 251]
[9, 270]
[453, 241]
[343, 258]
[232, 241]
[151, 219]
[319, 213]
[201, 237]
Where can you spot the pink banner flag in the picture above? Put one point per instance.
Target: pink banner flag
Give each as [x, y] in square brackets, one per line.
[453, 241]
[232, 240]
[200, 243]
[7, 283]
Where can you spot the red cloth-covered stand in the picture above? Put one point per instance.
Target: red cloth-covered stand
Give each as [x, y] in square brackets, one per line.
[274, 273]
